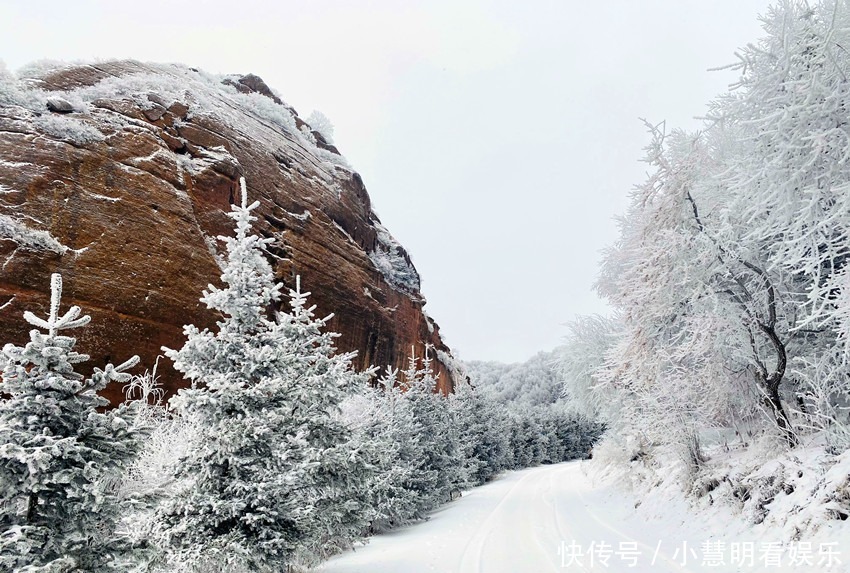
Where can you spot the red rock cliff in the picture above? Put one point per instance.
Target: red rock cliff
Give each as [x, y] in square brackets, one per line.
[119, 175]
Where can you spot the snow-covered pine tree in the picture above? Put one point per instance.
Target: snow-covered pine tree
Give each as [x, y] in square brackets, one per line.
[440, 435]
[337, 472]
[524, 437]
[237, 506]
[272, 455]
[482, 426]
[401, 482]
[58, 452]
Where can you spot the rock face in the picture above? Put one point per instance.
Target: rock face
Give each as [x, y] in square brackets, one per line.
[119, 175]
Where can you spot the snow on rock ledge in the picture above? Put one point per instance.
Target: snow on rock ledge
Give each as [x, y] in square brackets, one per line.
[394, 263]
[131, 168]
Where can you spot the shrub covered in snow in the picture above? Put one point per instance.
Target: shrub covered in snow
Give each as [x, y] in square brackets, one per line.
[70, 129]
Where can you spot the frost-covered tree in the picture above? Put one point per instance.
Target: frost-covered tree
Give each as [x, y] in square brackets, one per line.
[322, 125]
[400, 480]
[790, 167]
[789, 177]
[274, 471]
[483, 432]
[642, 276]
[578, 362]
[59, 454]
[238, 504]
[443, 452]
[337, 470]
[703, 331]
[150, 478]
[730, 275]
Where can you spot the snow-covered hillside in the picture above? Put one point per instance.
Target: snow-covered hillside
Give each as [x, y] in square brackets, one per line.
[534, 382]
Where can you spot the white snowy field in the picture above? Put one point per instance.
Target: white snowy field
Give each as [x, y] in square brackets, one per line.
[555, 518]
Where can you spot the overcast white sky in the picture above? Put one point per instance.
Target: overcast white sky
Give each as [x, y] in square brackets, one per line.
[498, 139]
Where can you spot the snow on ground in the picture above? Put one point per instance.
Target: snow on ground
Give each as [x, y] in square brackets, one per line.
[562, 518]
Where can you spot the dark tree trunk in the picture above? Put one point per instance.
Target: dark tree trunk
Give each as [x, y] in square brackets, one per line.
[774, 405]
[739, 290]
[32, 506]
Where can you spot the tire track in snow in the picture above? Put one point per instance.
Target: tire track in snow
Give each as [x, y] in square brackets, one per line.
[521, 533]
[558, 522]
[473, 555]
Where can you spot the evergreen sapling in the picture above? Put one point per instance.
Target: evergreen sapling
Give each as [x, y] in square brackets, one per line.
[60, 456]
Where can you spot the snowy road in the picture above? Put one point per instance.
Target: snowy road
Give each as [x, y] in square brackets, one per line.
[542, 519]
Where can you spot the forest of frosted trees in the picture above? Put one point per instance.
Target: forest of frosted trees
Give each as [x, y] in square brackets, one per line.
[730, 280]
[278, 455]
